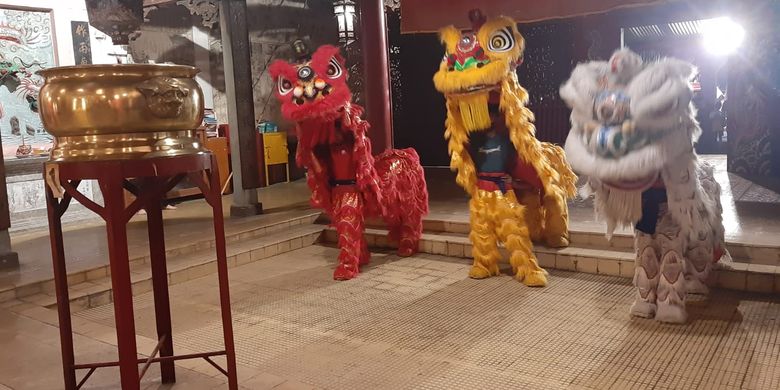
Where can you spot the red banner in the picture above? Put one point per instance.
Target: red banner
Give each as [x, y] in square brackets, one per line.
[431, 15]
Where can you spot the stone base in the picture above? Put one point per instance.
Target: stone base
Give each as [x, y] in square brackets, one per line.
[246, 211]
[9, 260]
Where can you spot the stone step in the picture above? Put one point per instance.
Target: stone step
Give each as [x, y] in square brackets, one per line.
[737, 275]
[94, 273]
[743, 252]
[182, 268]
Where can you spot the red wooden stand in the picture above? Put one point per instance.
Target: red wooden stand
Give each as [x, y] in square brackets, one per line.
[154, 178]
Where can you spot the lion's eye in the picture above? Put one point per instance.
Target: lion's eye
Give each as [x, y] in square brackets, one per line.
[501, 41]
[334, 69]
[284, 85]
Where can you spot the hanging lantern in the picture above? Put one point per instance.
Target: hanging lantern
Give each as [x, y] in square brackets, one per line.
[345, 15]
[119, 19]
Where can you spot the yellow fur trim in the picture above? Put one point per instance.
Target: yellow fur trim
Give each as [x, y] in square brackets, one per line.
[557, 158]
[449, 37]
[448, 82]
[548, 160]
[483, 236]
[490, 74]
[497, 217]
[474, 111]
[460, 160]
[522, 132]
[491, 27]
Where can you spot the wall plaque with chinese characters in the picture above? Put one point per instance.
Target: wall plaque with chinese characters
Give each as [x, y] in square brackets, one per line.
[82, 50]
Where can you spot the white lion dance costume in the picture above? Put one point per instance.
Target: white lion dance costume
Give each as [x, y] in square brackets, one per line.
[633, 130]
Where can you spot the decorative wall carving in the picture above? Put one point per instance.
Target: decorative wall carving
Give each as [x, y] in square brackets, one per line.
[147, 10]
[393, 6]
[27, 47]
[119, 19]
[30, 195]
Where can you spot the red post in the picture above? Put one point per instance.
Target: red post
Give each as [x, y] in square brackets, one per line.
[222, 273]
[162, 305]
[119, 260]
[55, 209]
[377, 73]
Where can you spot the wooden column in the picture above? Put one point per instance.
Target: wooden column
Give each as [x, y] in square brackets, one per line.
[376, 70]
[247, 172]
[753, 97]
[8, 258]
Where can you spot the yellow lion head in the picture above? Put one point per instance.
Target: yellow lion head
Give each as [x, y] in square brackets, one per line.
[477, 62]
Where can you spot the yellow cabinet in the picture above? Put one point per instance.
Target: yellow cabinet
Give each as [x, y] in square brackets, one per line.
[276, 152]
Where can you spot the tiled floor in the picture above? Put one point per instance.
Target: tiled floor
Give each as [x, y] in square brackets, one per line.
[420, 323]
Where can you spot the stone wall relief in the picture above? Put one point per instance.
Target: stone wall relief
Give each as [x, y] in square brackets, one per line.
[26, 46]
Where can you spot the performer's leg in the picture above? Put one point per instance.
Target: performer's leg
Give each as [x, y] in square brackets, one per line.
[411, 230]
[672, 292]
[514, 233]
[534, 214]
[646, 275]
[483, 238]
[365, 254]
[699, 261]
[348, 219]
[556, 222]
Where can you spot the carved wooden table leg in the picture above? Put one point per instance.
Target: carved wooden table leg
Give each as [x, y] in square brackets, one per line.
[55, 210]
[162, 306]
[213, 194]
[157, 176]
[116, 225]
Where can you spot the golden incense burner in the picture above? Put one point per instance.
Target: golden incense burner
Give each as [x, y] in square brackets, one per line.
[109, 112]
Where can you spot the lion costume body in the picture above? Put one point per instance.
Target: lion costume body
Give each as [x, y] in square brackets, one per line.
[345, 179]
[518, 185]
[633, 130]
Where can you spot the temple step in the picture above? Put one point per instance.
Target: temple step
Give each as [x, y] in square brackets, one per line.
[589, 235]
[185, 267]
[582, 256]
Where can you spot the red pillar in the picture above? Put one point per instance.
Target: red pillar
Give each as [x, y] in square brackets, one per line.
[377, 73]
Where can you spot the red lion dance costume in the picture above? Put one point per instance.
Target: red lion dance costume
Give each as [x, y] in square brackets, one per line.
[345, 179]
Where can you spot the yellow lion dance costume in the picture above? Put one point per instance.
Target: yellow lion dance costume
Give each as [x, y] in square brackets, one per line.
[496, 159]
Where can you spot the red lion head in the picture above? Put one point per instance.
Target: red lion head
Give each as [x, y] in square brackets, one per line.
[313, 89]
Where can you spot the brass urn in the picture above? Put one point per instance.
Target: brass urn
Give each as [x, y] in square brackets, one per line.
[107, 112]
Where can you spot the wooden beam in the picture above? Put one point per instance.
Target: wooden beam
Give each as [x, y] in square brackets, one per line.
[428, 16]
